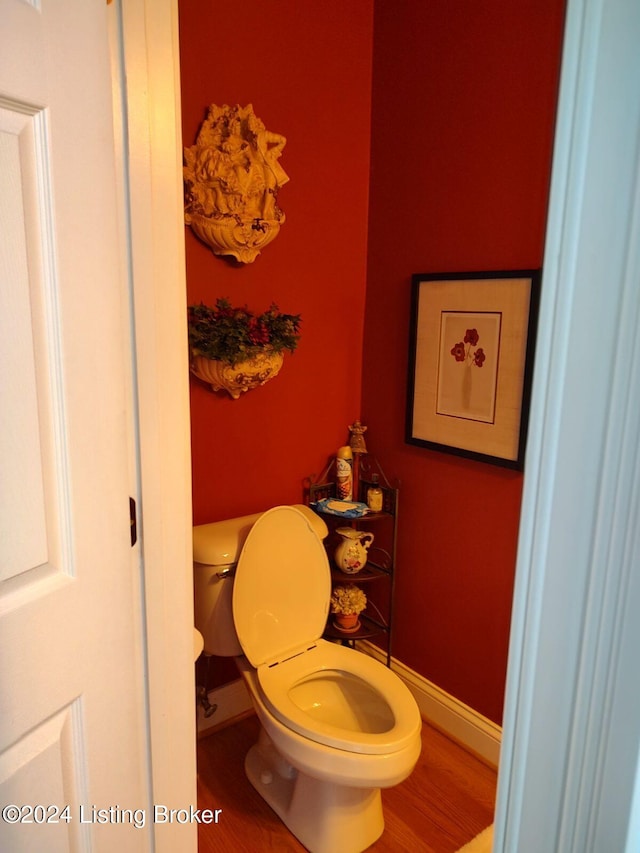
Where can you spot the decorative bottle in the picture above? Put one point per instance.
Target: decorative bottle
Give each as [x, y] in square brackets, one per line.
[344, 473]
[374, 495]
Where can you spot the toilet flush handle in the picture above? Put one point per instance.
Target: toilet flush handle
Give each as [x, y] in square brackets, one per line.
[227, 572]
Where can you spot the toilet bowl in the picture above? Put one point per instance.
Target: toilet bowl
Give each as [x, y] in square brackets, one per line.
[341, 698]
[349, 767]
[337, 725]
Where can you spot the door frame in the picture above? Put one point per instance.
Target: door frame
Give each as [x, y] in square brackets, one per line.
[570, 757]
[147, 104]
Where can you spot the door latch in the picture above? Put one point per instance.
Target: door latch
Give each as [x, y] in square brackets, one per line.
[133, 522]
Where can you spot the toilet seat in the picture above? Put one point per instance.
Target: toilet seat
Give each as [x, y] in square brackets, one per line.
[282, 585]
[397, 719]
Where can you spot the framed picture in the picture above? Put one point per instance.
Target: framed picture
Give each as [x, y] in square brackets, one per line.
[470, 362]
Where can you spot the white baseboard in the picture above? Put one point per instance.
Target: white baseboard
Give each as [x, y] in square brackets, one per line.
[457, 720]
[460, 722]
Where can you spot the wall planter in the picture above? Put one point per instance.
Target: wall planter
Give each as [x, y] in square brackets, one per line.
[238, 378]
[235, 350]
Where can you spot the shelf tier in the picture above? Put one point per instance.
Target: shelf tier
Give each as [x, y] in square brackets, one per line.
[368, 628]
[371, 572]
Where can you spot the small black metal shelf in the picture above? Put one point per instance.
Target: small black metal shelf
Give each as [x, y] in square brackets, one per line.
[377, 619]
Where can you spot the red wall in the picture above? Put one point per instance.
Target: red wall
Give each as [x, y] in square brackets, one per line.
[306, 68]
[457, 128]
[464, 99]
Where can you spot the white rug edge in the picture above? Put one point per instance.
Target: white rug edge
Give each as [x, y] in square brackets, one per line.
[482, 843]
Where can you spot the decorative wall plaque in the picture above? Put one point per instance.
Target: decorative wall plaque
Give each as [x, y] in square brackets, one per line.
[232, 177]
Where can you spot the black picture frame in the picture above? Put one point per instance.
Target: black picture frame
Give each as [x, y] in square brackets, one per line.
[471, 348]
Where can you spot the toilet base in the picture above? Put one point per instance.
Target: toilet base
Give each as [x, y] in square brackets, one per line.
[323, 816]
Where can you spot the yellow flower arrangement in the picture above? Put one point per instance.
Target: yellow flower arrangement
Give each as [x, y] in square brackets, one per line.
[348, 599]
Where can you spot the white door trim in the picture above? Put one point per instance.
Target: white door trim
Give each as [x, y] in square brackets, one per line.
[153, 171]
[572, 718]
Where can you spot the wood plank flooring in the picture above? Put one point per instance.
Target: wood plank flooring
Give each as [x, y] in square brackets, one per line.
[448, 799]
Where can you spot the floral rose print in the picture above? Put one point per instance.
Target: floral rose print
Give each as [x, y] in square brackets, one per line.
[458, 352]
[462, 350]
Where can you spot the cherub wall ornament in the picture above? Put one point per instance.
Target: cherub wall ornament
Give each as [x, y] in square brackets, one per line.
[232, 177]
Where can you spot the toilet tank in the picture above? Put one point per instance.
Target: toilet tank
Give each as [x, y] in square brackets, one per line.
[216, 550]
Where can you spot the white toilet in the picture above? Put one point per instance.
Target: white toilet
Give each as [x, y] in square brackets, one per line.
[337, 725]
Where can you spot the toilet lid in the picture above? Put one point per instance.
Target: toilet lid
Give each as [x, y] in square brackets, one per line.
[282, 587]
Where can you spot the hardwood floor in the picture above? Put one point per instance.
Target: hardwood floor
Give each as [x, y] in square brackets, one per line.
[448, 799]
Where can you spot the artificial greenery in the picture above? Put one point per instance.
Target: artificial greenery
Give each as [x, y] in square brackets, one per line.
[348, 599]
[233, 334]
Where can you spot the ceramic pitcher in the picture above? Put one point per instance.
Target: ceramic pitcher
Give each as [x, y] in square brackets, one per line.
[351, 553]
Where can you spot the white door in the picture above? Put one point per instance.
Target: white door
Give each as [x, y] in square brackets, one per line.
[72, 705]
